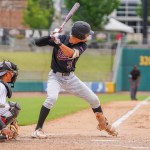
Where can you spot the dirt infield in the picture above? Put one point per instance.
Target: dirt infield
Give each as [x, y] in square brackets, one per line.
[78, 131]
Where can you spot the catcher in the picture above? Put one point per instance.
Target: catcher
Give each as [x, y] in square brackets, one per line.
[8, 111]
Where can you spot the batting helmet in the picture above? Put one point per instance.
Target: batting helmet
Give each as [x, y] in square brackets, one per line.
[6, 66]
[80, 29]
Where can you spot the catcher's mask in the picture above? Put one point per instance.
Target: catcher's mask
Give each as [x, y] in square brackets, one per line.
[80, 29]
[6, 66]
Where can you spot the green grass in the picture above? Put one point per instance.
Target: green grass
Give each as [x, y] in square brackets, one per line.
[65, 105]
[90, 67]
[28, 61]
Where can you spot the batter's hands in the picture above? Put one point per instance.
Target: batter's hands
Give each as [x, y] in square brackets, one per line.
[55, 38]
[57, 30]
[57, 41]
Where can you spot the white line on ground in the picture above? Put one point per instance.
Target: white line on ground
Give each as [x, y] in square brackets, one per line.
[61, 134]
[133, 147]
[141, 147]
[123, 118]
[122, 146]
[129, 113]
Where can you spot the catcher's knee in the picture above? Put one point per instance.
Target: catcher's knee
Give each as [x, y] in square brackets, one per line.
[12, 113]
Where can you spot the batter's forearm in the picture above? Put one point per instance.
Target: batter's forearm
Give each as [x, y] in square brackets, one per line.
[66, 50]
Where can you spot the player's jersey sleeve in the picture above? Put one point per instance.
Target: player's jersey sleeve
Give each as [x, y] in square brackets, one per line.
[81, 47]
[3, 93]
[44, 41]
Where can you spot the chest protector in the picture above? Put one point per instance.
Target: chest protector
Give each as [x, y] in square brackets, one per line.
[9, 91]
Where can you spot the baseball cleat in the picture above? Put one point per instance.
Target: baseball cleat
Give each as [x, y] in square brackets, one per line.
[110, 130]
[104, 125]
[39, 134]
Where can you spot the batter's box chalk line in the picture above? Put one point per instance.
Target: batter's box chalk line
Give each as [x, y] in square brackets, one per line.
[129, 113]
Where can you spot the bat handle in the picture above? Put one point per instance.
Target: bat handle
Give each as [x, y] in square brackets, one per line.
[62, 26]
[58, 30]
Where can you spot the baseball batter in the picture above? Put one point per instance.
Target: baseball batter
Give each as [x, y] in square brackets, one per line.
[66, 52]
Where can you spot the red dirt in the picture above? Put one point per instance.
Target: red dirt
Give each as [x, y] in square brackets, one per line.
[78, 131]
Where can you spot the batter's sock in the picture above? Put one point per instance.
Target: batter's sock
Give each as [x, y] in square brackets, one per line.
[98, 109]
[43, 114]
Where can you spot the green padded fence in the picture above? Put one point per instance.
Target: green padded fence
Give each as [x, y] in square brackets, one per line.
[129, 58]
[28, 87]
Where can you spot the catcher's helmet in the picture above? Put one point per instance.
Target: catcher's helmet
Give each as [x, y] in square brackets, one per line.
[6, 66]
[80, 29]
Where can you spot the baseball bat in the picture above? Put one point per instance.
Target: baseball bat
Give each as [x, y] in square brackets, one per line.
[69, 15]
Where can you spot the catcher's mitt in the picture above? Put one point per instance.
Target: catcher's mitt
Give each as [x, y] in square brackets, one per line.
[14, 128]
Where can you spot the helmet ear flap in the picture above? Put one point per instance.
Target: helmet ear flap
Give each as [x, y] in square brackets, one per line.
[82, 36]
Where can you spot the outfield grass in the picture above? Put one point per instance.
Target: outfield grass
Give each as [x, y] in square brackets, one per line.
[65, 105]
[90, 67]
[28, 61]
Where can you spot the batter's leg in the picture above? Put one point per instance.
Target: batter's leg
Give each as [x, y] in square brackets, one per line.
[53, 89]
[77, 87]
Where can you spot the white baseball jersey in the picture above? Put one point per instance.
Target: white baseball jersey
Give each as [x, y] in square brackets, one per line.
[3, 95]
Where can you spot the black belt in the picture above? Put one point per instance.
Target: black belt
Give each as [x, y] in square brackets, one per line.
[62, 73]
[66, 74]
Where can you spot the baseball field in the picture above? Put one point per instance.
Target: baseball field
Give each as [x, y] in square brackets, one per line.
[71, 125]
[39, 64]
[30, 38]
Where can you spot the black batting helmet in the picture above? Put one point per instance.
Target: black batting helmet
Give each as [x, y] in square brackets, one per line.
[6, 66]
[80, 29]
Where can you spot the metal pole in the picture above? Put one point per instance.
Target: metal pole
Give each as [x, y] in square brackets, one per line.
[145, 20]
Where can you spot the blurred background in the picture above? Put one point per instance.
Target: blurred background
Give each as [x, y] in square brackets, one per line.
[121, 40]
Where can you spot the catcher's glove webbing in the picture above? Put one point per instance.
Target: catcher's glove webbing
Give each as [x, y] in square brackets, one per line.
[13, 126]
[104, 125]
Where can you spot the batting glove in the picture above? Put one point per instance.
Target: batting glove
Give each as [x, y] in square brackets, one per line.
[55, 38]
[57, 30]
[57, 41]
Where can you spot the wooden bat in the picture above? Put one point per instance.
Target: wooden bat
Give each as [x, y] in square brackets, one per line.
[69, 15]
